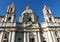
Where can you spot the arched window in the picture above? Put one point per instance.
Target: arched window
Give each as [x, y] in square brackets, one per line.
[29, 19]
[11, 9]
[47, 11]
[50, 19]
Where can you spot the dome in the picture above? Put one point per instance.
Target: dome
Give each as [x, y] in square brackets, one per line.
[28, 16]
[28, 10]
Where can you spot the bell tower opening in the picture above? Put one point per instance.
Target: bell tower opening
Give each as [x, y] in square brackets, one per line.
[47, 11]
[10, 14]
[11, 9]
[50, 19]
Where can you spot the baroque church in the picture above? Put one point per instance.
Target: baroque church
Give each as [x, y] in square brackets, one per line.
[28, 29]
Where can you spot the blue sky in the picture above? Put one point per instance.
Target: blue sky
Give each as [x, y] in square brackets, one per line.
[35, 5]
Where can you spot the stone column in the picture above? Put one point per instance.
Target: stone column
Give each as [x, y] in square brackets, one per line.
[9, 40]
[1, 36]
[53, 36]
[39, 38]
[49, 36]
[36, 37]
[13, 37]
[24, 36]
[27, 36]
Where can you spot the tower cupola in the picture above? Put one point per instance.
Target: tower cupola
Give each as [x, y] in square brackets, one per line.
[10, 14]
[48, 14]
[28, 16]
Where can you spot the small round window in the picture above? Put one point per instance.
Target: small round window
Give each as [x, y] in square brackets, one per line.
[9, 18]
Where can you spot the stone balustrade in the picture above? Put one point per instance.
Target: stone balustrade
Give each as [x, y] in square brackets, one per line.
[53, 24]
[7, 24]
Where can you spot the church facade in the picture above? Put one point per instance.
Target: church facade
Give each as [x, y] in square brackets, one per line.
[28, 29]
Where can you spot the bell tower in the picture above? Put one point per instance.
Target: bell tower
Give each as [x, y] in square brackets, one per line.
[48, 14]
[10, 14]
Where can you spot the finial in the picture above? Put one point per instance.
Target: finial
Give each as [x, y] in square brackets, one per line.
[28, 7]
[45, 6]
[12, 3]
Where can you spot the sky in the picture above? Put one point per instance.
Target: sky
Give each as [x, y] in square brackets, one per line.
[35, 5]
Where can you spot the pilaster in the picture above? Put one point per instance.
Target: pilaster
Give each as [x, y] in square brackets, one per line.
[27, 36]
[10, 37]
[1, 36]
[36, 37]
[39, 37]
[53, 36]
[13, 37]
[50, 36]
[24, 36]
